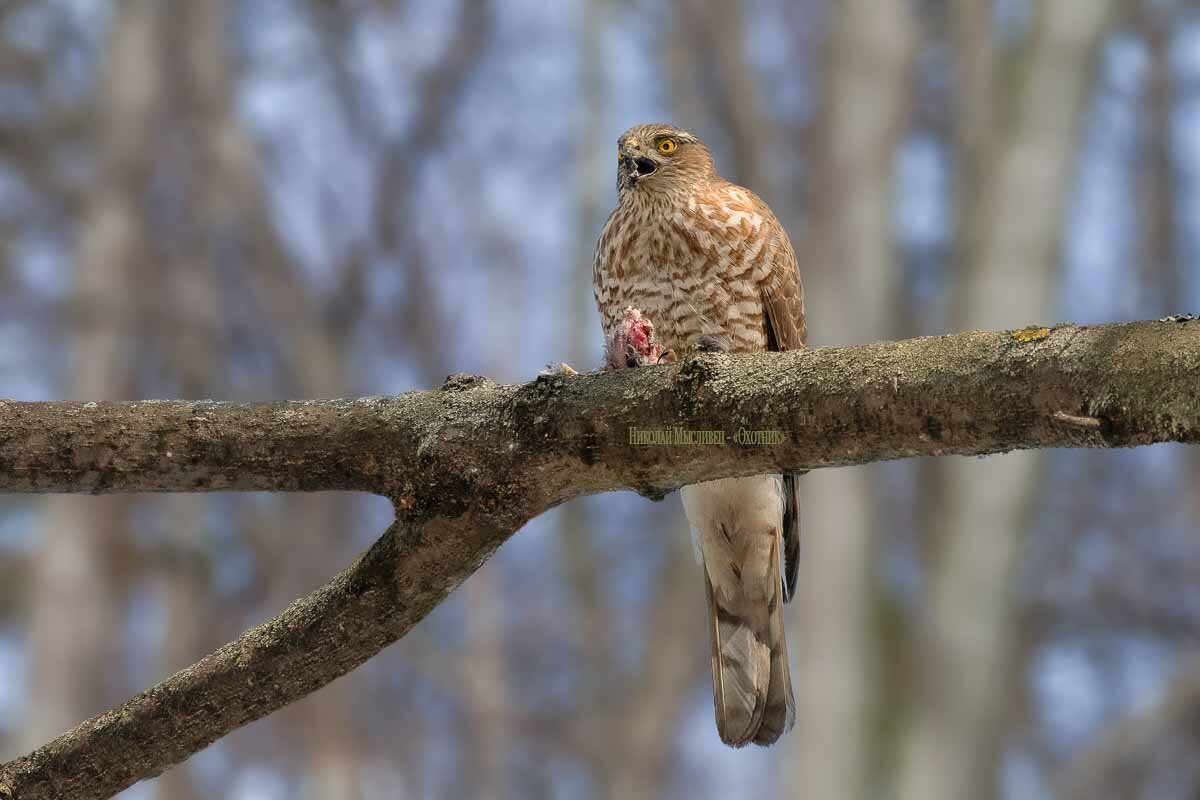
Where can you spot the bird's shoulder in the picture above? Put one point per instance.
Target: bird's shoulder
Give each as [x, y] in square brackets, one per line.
[733, 208]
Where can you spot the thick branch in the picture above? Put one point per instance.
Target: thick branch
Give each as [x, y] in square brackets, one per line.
[469, 464]
[560, 437]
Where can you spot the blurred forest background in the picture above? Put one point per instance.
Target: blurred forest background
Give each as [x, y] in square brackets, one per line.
[257, 199]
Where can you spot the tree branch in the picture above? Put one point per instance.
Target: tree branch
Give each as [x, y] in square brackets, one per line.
[467, 465]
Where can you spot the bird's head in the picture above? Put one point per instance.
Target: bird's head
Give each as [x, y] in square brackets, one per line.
[661, 158]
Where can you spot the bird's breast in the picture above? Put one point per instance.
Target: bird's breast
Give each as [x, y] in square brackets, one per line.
[682, 276]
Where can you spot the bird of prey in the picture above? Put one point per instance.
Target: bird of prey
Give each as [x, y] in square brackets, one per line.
[708, 265]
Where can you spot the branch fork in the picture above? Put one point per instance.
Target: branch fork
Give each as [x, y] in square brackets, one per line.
[467, 465]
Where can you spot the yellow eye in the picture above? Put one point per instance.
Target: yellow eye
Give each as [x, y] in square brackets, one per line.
[668, 146]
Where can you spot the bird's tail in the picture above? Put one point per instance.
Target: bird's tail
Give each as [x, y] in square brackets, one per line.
[752, 687]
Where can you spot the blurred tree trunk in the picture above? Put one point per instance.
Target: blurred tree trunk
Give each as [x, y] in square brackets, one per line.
[1162, 277]
[1016, 160]
[416, 326]
[192, 62]
[231, 206]
[715, 86]
[851, 286]
[596, 721]
[185, 568]
[485, 688]
[656, 695]
[76, 588]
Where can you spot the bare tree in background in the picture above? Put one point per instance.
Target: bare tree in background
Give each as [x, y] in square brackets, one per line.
[190, 341]
[192, 281]
[597, 718]
[1139, 749]
[1017, 133]
[851, 284]
[77, 590]
[414, 330]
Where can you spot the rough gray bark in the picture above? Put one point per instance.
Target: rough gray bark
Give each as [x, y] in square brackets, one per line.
[468, 465]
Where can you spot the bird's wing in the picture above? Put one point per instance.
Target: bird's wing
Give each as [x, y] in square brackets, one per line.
[783, 300]
[783, 295]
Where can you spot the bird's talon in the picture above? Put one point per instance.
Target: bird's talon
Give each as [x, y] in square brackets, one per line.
[710, 344]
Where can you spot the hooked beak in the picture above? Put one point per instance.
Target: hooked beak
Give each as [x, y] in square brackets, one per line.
[633, 167]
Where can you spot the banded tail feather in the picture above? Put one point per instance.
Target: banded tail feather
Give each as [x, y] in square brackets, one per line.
[742, 556]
